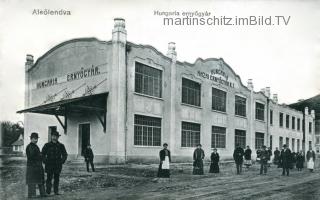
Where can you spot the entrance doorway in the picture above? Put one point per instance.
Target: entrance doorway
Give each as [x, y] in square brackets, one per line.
[84, 137]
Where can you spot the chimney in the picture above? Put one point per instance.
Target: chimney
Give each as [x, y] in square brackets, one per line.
[29, 62]
[250, 84]
[267, 92]
[119, 33]
[275, 98]
[172, 50]
[306, 111]
[263, 90]
[313, 114]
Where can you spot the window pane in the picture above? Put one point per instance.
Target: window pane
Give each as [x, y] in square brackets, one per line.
[191, 92]
[190, 134]
[147, 131]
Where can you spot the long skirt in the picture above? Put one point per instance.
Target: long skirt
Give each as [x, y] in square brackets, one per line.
[214, 167]
[164, 168]
[299, 164]
[310, 164]
[248, 162]
[198, 167]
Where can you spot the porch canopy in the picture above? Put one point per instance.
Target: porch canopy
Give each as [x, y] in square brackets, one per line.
[93, 104]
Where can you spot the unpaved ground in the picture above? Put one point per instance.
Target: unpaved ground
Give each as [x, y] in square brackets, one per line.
[138, 182]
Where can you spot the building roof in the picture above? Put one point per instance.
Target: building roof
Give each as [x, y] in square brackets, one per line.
[18, 142]
[312, 103]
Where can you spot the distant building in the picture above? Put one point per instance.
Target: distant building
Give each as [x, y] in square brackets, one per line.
[314, 104]
[126, 100]
[18, 145]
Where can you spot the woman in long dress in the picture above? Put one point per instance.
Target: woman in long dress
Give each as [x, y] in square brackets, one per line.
[247, 157]
[311, 156]
[165, 159]
[214, 166]
[300, 160]
[198, 156]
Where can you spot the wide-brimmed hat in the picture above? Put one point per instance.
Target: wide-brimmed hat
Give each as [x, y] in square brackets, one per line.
[56, 133]
[199, 145]
[34, 135]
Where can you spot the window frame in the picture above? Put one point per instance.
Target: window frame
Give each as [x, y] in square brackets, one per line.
[143, 126]
[241, 105]
[183, 88]
[192, 135]
[217, 137]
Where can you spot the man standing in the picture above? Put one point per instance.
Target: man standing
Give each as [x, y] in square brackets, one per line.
[88, 157]
[238, 158]
[264, 157]
[311, 157]
[198, 156]
[54, 155]
[285, 158]
[35, 173]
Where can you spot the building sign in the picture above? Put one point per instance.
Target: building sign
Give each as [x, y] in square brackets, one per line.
[81, 74]
[218, 76]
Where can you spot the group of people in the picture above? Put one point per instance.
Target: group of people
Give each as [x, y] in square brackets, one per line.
[284, 159]
[293, 159]
[53, 155]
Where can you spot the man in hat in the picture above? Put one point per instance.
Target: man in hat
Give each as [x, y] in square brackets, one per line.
[54, 155]
[285, 158]
[35, 173]
[88, 157]
[264, 157]
[238, 154]
[198, 156]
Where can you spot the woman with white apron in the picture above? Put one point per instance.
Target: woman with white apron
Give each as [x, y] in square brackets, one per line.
[311, 157]
[165, 159]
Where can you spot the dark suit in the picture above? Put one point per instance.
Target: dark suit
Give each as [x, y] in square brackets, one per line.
[54, 155]
[286, 159]
[88, 156]
[238, 158]
[35, 172]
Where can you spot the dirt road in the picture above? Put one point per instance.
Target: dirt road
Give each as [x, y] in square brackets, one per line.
[138, 182]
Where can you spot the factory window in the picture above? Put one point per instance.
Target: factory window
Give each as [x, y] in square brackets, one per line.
[317, 140]
[191, 92]
[219, 100]
[190, 134]
[240, 106]
[287, 121]
[287, 142]
[270, 141]
[271, 117]
[218, 137]
[240, 138]
[298, 124]
[281, 119]
[280, 142]
[310, 127]
[260, 111]
[293, 123]
[147, 131]
[292, 144]
[298, 145]
[148, 80]
[259, 140]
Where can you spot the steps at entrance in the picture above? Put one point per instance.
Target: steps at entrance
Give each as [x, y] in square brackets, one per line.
[78, 160]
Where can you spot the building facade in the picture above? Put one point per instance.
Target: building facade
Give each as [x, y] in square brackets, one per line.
[126, 100]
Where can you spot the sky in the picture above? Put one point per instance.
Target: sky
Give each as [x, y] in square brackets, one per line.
[285, 58]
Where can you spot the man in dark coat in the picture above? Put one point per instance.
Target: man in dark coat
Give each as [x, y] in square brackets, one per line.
[54, 155]
[285, 159]
[264, 157]
[198, 156]
[35, 173]
[238, 158]
[88, 157]
[165, 159]
[276, 156]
